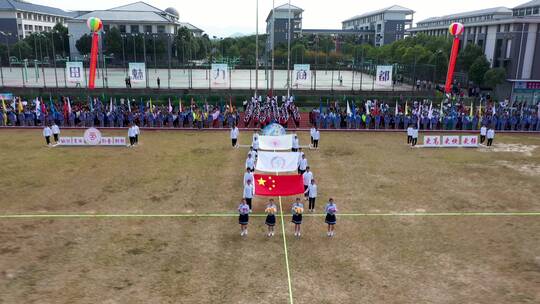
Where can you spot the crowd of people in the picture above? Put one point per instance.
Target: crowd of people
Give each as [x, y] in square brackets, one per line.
[259, 113]
[297, 207]
[427, 116]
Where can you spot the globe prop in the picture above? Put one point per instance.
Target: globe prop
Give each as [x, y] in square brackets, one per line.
[95, 25]
[455, 29]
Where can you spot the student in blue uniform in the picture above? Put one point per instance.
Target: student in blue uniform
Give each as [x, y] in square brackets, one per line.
[331, 210]
[243, 218]
[271, 210]
[297, 210]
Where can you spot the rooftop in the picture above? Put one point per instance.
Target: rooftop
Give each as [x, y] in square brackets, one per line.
[488, 11]
[529, 4]
[285, 8]
[393, 8]
[7, 5]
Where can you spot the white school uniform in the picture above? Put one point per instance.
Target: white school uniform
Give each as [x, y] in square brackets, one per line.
[312, 191]
[317, 135]
[302, 164]
[234, 133]
[136, 130]
[248, 191]
[47, 132]
[248, 176]
[490, 134]
[483, 131]
[312, 131]
[131, 132]
[55, 129]
[410, 131]
[307, 177]
[250, 163]
[295, 143]
[415, 133]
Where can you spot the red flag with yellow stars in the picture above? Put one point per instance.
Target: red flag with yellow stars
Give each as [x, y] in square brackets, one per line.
[282, 185]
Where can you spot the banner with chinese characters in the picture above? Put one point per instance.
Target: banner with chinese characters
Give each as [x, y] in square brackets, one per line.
[74, 72]
[92, 137]
[137, 72]
[301, 75]
[432, 141]
[384, 75]
[450, 141]
[220, 74]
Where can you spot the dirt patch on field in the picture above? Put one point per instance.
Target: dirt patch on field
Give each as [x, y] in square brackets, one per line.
[527, 169]
[512, 148]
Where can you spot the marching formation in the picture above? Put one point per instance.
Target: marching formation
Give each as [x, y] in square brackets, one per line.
[260, 159]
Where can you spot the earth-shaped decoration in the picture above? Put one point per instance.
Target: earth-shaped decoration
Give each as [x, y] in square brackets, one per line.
[274, 130]
[94, 24]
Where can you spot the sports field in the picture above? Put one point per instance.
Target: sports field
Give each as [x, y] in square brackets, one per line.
[158, 224]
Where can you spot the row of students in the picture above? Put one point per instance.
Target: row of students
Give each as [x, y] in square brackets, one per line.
[133, 134]
[51, 130]
[487, 133]
[297, 211]
[315, 137]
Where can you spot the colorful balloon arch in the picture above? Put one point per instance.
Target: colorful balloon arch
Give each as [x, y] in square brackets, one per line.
[455, 29]
[95, 25]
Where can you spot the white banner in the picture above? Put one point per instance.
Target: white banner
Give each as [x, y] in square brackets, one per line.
[220, 74]
[74, 72]
[137, 72]
[302, 75]
[80, 141]
[283, 142]
[432, 141]
[450, 141]
[469, 141]
[384, 75]
[277, 161]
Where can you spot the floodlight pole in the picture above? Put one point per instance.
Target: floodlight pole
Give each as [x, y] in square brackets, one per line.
[289, 37]
[256, 48]
[273, 40]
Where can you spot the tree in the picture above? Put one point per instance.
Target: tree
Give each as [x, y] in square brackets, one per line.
[61, 39]
[21, 50]
[468, 56]
[478, 69]
[494, 77]
[84, 44]
[113, 42]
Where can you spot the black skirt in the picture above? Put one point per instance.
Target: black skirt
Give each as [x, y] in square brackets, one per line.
[330, 219]
[243, 219]
[271, 220]
[297, 219]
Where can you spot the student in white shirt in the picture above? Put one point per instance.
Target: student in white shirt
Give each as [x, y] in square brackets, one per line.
[137, 132]
[409, 134]
[253, 153]
[250, 163]
[131, 135]
[248, 193]
[295, 144]
[316, 138]
[47, 132]
[56, 132]
[490, 137]
[255, 143]
[243, 217]
[248, 176]
[234, 136]
[311, 133]
[414, 136]
[311, 192]
[331, 210]
[302, 165]
[307, 177]
[483, 133]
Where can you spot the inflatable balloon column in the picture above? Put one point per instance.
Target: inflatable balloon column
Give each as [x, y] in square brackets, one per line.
[456, 29]
[95, 25]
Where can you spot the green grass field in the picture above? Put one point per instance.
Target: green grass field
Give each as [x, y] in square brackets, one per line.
[157, 223]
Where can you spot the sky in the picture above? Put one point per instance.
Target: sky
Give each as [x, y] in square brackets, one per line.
[225, 18]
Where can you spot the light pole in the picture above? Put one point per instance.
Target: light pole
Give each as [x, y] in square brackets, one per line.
[54, 59]
[134, 48]
[257, 48]
[123, 53]
[155, 58]
[42, 66]
[144, 56]
[289, 38]
[273, 40]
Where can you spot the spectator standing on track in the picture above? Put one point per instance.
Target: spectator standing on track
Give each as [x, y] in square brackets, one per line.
[311, 191]
[234, 136]
[490, 137]
[331, 210]
[56, 132]
[47, 132]
[248, 193]
[297, 210]
[243, 218]
[271, 210]
[483, 133]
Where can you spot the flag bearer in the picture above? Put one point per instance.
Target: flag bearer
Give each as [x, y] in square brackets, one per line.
[302, 165]
[330, 219]
[297, 210]
[248, 176]
[271, 210]
[250, 163]
[248, 192]
[243, 219]
[47, 132]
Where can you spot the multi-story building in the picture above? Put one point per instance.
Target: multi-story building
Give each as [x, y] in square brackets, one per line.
[510, 38]
[277, 26]
[382, 26]
[19, 19]
[131, 19]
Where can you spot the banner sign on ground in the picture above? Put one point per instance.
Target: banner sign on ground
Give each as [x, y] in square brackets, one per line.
[384, 75]
[137, 72]
[432, 141]
[302, 75]
[74, 72]
[277, 161]
[220, 74]
[92, 137]
[283, 142]
[466, 141]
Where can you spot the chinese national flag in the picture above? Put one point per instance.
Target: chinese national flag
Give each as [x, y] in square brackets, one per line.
[283, 185]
